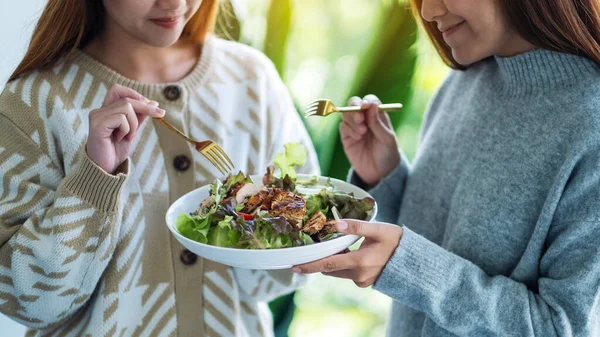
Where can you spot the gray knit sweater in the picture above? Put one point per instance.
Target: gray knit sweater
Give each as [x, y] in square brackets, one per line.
[501, 205]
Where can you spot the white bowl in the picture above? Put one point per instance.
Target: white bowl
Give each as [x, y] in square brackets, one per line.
[264, 259]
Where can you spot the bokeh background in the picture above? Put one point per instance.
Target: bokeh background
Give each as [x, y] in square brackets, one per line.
[322, 49]
[337, 49]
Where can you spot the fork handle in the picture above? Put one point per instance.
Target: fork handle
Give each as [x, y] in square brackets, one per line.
[383, 107]
[167, 124]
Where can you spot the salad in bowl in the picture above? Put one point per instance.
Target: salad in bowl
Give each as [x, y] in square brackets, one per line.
[269, 221]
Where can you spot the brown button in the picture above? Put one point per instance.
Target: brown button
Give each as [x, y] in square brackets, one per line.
[181, 163]
[172, 92]
[188, 258]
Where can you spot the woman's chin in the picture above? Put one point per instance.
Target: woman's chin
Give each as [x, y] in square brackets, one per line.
[162, 42]
[161, 39]
[466, 58]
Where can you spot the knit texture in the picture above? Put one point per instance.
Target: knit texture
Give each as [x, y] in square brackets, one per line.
[85, 253]
[501, 204]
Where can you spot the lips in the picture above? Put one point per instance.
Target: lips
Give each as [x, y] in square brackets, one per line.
[167, 22]
[448, 30]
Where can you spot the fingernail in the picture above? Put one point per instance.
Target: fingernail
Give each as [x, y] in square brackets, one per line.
[342, 225]
[161, 111]
[153, 103]
[296, 270]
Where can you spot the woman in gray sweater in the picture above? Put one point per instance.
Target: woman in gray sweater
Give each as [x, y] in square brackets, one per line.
[498, 215]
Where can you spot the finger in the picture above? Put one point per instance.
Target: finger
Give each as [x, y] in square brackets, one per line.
[346, 130]
[347, 274]
[347, 140]
[117, 92]
[363, 284]
[148, 108]
[354, 117]
[132, 119]
[385, 118]
[372, 230]
[369, 102]
[351, 274]
[124, 128]
[371, 99]
[382, 132]
[328, 264]
[115, 125]
[354, 101]
[141, 119]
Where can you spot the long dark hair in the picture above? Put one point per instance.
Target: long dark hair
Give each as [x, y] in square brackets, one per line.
[69, 24]
[568, 26]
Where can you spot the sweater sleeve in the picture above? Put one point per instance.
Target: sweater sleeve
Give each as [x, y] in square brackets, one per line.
[57, 233]
[264, 285]
[461, 298]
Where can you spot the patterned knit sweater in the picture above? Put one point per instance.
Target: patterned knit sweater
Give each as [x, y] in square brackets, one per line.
[85, 253]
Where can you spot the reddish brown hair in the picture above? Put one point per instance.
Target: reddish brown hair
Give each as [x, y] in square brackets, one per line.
[66, 25]
[568, 26]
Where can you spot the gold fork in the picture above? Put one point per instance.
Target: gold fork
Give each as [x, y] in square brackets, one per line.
[209, 149]
[324, 107]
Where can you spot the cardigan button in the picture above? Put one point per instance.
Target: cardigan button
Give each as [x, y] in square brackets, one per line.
[172, 92]
[181, 163]
[188, 258]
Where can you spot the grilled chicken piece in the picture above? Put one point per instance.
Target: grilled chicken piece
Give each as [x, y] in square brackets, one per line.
[315, 223]
[329, 227]
[233, 190]
[246, 191]
[266, 205]
[288, 205]
[255, 201]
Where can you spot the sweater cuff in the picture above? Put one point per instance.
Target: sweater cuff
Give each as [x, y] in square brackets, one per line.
[94, 185]
[418, 269]
[398, 174]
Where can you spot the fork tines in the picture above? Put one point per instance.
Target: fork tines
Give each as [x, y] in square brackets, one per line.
[312, 108]
[215, 154]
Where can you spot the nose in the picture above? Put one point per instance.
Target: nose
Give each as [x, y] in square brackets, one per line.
[171, 5]
[432, 9]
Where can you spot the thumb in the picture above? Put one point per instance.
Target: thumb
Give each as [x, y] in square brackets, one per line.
[372, 230]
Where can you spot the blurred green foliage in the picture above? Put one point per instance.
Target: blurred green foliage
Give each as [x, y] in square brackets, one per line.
[337, 49]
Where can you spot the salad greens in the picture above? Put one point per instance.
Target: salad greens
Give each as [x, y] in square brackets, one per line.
[241, 214]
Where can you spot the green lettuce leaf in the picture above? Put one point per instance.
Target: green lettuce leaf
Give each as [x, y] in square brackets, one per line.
[217, 191]
[312, 181]
[306, 239]
[295, 155]
[357, 208]
[194, 227]
[223, 234]
[348, 206]
[270, 180]
[234, 179]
